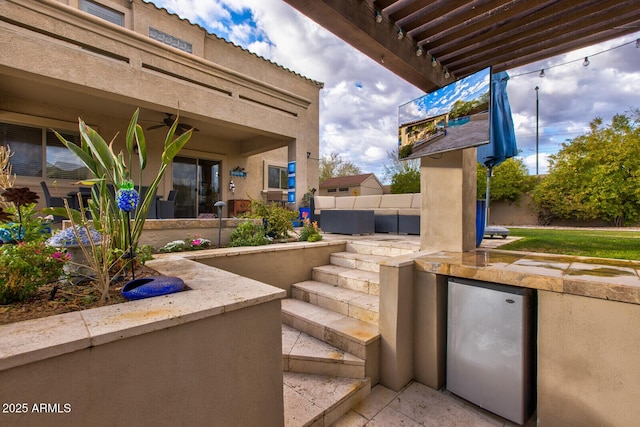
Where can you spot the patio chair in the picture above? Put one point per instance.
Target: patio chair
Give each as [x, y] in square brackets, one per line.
[166, 208]
[52, 201]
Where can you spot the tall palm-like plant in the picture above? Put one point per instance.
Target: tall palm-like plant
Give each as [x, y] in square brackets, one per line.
[109, 168]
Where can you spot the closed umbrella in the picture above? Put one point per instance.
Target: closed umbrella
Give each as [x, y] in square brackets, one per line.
[502, 144]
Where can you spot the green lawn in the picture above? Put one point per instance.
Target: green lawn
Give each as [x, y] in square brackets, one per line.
[593, 243]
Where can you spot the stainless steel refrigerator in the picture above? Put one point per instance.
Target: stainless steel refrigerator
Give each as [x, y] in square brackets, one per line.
[491, 347]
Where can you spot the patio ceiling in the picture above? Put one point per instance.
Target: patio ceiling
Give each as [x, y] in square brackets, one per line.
[467, 36]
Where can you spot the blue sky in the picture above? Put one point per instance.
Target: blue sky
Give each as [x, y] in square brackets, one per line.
[360, 100]
[440, 101]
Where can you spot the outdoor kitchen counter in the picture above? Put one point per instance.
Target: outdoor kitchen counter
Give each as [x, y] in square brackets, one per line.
[608, 279]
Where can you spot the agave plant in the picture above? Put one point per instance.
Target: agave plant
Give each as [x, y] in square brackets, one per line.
[111, 169]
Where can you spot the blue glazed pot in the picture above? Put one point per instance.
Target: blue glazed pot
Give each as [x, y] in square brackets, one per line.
[147, 287]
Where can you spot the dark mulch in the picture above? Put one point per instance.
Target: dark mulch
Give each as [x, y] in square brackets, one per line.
[66, 298]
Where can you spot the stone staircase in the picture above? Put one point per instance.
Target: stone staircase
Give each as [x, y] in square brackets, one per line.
[330, 339]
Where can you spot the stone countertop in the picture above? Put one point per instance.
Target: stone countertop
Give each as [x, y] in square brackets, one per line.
[609, 279]
[210, 292]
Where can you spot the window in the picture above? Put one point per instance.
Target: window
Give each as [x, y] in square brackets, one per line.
[26, 146]
[61, 163]
[170, 40]
[343, 189]
[30, 144]
[331, 190]
[101, 11]
[277, 177]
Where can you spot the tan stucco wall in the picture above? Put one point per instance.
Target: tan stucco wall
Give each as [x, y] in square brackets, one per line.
[512, 213]
[448, 201]
[396, 325]
[223, 370]
[430, 335]
[588, 363]
[291, 263]
[271, 107]
[412, 323]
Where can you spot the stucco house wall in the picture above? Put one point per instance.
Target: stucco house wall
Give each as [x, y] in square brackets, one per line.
[60, 63]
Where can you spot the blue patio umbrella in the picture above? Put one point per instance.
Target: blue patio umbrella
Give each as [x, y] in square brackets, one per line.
[502, 144]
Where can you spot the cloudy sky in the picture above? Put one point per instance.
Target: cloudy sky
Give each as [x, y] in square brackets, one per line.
[360, 100]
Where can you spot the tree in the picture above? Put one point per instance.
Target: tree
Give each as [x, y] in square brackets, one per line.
[406, 182]
[595, 176]
[397, 166]
[333, 165]
[509, 181]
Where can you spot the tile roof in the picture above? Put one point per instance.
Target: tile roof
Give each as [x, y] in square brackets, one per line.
[346, 181]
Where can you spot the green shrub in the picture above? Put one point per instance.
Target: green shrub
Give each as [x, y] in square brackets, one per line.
[278, 220]
[248, 234]
[26, 266]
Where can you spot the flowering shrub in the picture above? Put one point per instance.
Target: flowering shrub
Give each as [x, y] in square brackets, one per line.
[310, 231]
[26, 266]
[69, 236]
[194, 243]
[18, 217]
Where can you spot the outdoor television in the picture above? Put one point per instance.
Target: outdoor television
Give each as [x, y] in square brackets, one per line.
[450, 118]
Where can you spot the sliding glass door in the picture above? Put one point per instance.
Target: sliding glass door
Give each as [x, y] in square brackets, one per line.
[197, 182]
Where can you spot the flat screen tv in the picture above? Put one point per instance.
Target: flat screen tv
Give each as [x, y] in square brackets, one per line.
[453, 117]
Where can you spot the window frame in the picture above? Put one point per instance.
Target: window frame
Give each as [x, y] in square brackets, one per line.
[85, 5]
[284, 175]
[43, 126]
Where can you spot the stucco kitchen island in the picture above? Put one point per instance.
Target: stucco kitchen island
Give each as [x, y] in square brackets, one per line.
[588, 334]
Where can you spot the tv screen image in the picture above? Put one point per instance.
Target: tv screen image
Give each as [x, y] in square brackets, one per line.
[453, 117]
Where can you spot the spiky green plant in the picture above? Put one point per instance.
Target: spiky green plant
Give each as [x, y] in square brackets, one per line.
[109, 168]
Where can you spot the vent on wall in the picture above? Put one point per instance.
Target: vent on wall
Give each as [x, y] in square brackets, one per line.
[170, 40]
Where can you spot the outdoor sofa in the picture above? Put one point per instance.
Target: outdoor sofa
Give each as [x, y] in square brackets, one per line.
[392, 213]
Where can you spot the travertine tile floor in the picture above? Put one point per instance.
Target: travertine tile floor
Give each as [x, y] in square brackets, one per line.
[418, 405]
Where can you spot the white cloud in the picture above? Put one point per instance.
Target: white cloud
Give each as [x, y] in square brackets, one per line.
[543, 163]
[360, 100]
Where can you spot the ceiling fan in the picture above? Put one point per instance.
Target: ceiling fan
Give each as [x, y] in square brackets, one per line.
[168, 122]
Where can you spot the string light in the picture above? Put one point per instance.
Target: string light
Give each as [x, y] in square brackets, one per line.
[419, 51]
[433, 61]
[400, 34]
[446, 74]
[378, 16]
[585, 60]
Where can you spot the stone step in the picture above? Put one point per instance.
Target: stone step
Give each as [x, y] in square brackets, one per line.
[357, 261]
[317, 400]
[383, 248]
[308, 355]
[353, 336]
[367, 282]
[356, 304]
